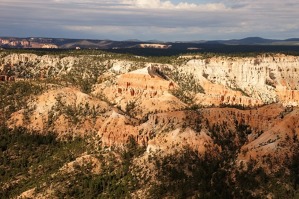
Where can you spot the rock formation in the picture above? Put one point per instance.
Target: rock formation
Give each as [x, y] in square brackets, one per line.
[240, 112]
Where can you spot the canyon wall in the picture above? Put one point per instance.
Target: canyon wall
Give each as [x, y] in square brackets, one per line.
[249, 81]
[265, 79]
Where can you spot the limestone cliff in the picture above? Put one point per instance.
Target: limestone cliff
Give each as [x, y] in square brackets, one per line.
[264, 79]
[250, 81]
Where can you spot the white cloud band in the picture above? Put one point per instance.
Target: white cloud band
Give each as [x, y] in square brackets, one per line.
[158, 4]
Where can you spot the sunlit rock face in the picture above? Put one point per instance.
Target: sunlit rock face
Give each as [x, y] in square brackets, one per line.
[248, 81]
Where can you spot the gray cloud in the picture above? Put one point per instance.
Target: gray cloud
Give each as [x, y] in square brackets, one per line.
[140, 19]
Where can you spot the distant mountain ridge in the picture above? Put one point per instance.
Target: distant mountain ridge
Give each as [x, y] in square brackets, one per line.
[249, 41]
[64, 43]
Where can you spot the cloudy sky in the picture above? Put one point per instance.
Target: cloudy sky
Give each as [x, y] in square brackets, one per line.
[168, 20]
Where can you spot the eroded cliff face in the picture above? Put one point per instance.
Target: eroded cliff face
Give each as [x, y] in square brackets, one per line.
[266, 134]
[136, 92]
[34, 66]
[247, 82]
[265, 79]
[226, 80]
[141, 90]
[226, 109]
[65, 111]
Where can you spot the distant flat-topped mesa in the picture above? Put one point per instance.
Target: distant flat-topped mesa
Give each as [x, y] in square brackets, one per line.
[160, 46]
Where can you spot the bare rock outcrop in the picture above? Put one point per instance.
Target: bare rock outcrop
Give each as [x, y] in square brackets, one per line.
[65, 111]
[265, 79]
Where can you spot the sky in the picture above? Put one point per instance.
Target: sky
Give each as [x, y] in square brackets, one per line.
[165, 20]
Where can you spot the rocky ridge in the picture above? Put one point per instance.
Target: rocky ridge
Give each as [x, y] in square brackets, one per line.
[243, 109]
[139, 95]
